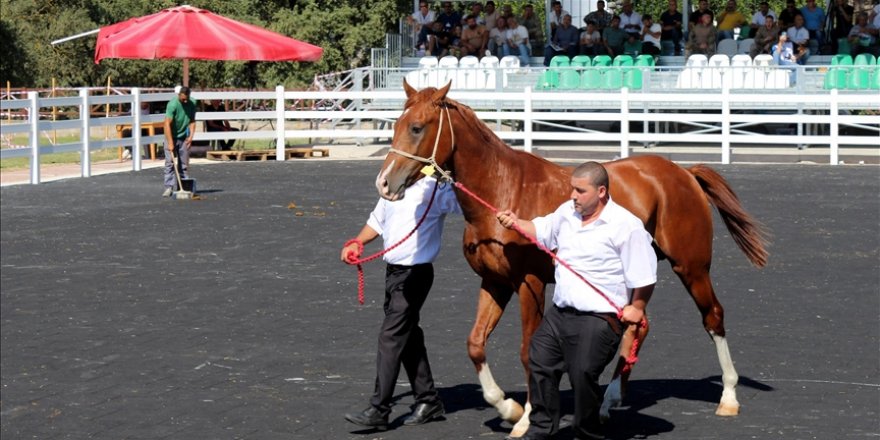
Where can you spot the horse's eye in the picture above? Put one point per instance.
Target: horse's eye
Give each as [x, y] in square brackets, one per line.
[417, 129]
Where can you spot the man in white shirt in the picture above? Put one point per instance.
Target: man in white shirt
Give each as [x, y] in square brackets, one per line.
[759, 18]
[631, 21]
[556, 15]
[490, 15]
[517, 41]
[579, 335]
[408, 280]
[421, 22]
[651, 36]
[799, 36]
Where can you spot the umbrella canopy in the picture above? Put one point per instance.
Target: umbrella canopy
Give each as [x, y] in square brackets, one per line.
[187, 33]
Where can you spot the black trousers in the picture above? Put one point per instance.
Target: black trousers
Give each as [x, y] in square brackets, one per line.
[577, 343]
[401, 340]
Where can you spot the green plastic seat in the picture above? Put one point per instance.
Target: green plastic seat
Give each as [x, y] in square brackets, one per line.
[602, 61]
[623, 60]
[841, 60]
[613, 79]
[634, 78]
[560, 61]
[861, 74]
[875, 78]
[581, 61]
[569, 79]
[836, 77]
[549, 80]
[592, 78]
[645, 60]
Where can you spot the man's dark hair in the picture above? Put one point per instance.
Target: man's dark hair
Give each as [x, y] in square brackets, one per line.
[185, 90]
[647, 17]
[594, 172]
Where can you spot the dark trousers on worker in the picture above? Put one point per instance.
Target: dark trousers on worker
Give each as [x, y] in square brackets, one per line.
[580, 344]
[401, 340]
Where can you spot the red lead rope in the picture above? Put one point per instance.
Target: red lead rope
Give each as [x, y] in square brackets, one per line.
[355, 259]
[632, 358]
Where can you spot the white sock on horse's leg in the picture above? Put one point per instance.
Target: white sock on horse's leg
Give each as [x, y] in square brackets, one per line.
[522, 425]
[728, 406]
[508, 409]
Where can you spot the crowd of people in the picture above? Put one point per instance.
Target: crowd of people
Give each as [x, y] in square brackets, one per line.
[790, 36]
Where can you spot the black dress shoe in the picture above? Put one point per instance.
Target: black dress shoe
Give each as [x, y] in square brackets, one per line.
[370, 417]
[424, 412]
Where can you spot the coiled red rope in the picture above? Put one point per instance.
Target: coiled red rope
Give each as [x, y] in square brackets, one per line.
[632, 358]
[354, 259]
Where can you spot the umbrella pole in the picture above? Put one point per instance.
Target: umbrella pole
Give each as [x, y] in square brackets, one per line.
[186, 72]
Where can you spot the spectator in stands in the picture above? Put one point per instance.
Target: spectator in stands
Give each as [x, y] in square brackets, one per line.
[841, 21]
[631, 21]
[518, 41]
[786, 17]
[650, 36]
[455, 42]
[564, 42]
[498, 37]
[507, 11]
[694, 18]
[759, 19]
[555, 16]
[477, 13]
[449, 18]
[474, 38]
[799, 36]
[614, 38]
[784, 53]
[702, 37]
[601, 17]
[670, 22]
[874, 17]
[490, 16]
[814, 21]
[863, 37]
[214, 125]
[439, 40]
[766, 36]
[728, 20]
[534, 25]
[421, 21]
[591, 40]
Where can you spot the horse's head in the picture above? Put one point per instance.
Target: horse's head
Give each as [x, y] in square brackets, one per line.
[423, 137]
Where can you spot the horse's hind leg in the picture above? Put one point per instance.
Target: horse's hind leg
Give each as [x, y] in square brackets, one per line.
[616, 389]
[493, 299]
[699, 285]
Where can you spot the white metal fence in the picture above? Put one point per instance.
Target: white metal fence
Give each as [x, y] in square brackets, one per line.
[716, 118]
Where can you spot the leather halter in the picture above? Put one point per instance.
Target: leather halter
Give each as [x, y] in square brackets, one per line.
[432, 166]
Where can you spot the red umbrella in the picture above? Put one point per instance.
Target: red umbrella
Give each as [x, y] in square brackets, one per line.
[192, 33]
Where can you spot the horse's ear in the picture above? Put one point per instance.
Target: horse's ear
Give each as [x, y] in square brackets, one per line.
[408, 89]
[440, 94]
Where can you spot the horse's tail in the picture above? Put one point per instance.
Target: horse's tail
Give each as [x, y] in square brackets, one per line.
[748, 234]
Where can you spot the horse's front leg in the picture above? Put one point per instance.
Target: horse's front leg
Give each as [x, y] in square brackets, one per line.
[531, 306]
[493, 299]
[616, 389]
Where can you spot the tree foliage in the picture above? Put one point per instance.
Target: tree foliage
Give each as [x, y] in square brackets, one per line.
[346, 29]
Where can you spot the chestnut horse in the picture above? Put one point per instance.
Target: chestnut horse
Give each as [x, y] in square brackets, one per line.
[446, 137]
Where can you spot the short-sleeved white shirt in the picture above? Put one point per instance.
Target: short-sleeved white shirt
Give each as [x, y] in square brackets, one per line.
[393, 220]
[613, 253]
[632, 19]
[518, 35]
[758, 18]
[798, 36]
[424, 19]
[648, 38]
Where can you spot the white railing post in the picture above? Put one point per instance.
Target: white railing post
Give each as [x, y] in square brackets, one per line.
[624, 123]
[835, 127]
[527, 120]
[137, 147]
[34, 115]
[279, 123]
[725, 125]
[85, 115]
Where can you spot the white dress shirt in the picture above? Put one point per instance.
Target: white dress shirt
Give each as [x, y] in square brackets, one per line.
[798, 36]
[393, 220]
[613, 253]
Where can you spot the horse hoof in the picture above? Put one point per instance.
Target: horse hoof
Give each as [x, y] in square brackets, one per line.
[727, 410]
[510, 411]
